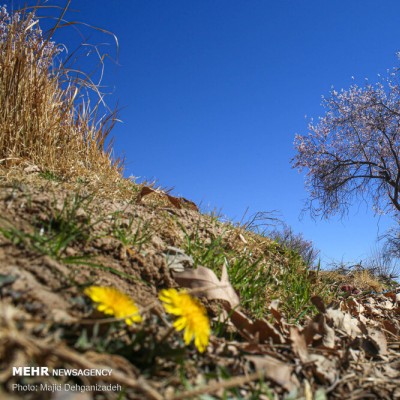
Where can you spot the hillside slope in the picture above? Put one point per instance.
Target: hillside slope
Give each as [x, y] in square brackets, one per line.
[55, 242]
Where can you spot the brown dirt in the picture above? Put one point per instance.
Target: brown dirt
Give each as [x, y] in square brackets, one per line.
[330, 355]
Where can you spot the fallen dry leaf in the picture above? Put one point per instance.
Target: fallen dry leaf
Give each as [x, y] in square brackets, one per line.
[353, 306]
[328, 333]
[299, 345]
[273, 307]
[175, 201]
[208, 285]
[325, 369]
[380, 340]
[375, 343]
[391, 295]
[318, 332]
[318, 303]
[259, 331]
[343, 322]
[275, 370]
[391, 326]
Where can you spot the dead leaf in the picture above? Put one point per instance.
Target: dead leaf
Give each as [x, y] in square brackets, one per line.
[391, 326]
[260, 330]
[318, 332]
[375, 344]
[311, 332]
[243, 324]
[299, 345]
[175, 201]
[328, 334]
[207, 284]
[343, 322]
[318, 303]
[273, 307]
[387, 305]
[324, 368]
[189, 204]
[275, 370]
[390, 295]
[353, 306]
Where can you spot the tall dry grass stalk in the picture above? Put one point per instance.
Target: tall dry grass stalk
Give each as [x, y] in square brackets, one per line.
[45, 116]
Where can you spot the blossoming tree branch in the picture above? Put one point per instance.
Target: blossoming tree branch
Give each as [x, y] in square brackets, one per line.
[353, 151]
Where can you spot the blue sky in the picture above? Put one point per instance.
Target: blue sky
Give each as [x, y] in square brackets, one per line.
[212, 93]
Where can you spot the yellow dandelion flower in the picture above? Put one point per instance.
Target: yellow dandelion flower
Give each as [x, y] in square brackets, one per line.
[113, 302]
[192, 316]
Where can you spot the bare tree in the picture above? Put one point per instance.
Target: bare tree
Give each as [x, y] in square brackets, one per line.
[353, 151]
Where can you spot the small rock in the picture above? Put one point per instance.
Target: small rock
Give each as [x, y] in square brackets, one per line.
[177, 260]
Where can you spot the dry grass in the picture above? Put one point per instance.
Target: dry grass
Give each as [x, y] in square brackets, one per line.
[363, 280]
[46, 118]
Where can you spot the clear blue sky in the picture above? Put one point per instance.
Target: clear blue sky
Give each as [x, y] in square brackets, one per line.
[212, 92]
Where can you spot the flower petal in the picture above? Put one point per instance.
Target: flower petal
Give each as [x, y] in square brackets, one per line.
[113, 302]
[192, 316]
